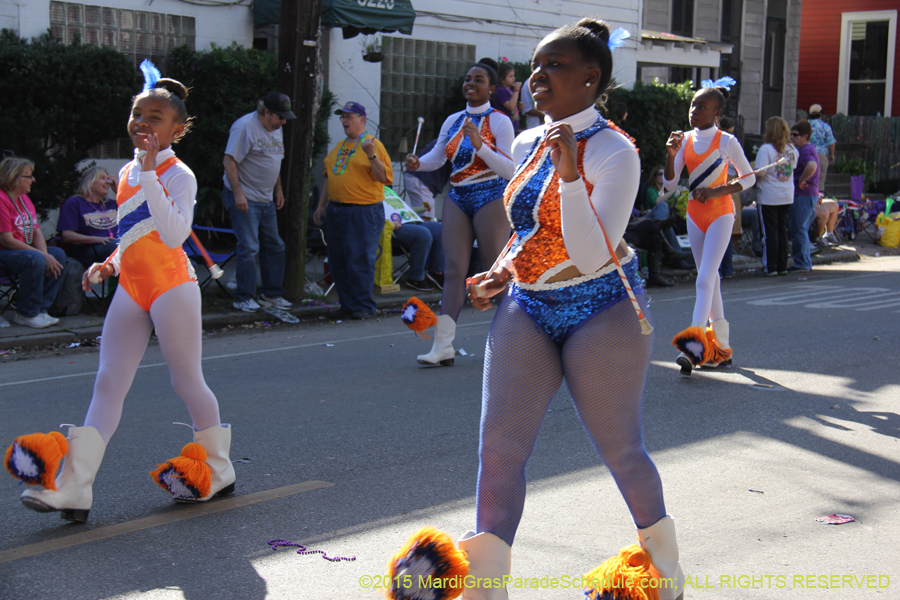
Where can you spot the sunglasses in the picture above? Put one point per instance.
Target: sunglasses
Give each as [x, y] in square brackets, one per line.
[795, 134]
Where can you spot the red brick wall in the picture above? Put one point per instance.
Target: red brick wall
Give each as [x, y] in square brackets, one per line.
[820, 37]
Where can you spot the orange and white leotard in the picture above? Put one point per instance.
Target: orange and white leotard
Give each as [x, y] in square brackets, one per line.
[155, 215]
[706, 154]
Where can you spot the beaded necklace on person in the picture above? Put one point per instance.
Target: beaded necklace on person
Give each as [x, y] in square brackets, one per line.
[28, 221]
[343, 163]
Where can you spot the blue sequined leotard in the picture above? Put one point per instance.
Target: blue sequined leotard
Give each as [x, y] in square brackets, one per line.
[472, 183]
[533, 206]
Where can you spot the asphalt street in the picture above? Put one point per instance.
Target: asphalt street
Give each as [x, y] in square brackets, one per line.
[345, 444]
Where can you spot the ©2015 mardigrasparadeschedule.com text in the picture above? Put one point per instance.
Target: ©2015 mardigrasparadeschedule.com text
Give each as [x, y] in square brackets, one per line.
[873, 581]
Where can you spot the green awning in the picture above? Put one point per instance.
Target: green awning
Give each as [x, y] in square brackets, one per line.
[369, 16]
[353, 16]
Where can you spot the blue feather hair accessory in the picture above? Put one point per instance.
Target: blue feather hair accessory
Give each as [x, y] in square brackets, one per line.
[151, 74]
[725, 82]
[617, 38]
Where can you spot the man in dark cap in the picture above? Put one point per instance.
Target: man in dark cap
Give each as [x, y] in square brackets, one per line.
[251, 196]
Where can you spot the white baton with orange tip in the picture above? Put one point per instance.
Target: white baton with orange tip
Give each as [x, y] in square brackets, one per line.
[215, 271]
[781, 161]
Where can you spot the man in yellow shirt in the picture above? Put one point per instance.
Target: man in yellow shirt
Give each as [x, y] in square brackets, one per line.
[356, 171]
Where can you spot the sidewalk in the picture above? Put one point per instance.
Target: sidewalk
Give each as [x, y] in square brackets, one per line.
[86, 328]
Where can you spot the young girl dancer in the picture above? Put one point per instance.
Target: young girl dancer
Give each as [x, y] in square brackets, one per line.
[706, 151]
[157, 288]
[477, 142]
[566, 315]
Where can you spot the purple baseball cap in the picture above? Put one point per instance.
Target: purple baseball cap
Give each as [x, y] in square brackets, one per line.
[352, 107]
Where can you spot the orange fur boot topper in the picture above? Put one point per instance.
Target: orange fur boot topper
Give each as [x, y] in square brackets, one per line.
[186, 476]
[35, 458]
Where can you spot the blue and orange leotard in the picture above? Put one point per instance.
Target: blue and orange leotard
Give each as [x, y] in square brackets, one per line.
[477, 178]
[534, 206]
[148, 266]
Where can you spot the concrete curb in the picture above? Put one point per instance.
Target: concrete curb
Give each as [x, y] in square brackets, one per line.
[58, 335]
[89, 332]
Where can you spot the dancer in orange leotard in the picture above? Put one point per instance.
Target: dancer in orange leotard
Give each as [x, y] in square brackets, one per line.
[157, 289]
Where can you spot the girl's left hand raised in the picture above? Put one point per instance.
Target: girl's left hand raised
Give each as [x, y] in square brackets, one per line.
[151, 145]
[563, 151]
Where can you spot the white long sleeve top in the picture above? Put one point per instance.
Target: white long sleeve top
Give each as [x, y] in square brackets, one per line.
[729, 146]
[501, 128]
[170, 198]
[612, 165]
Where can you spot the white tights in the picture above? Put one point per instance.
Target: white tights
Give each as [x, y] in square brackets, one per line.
[126, 331]
[708, 249]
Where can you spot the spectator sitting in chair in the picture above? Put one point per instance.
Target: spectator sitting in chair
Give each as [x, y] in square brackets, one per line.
[422, 241]
[23, 249]
[826, 221]
[87, 220]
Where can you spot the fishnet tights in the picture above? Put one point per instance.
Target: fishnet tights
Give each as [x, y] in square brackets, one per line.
[489, 226]
[605, 364]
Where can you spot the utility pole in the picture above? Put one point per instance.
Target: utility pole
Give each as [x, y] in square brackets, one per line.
[298, 65]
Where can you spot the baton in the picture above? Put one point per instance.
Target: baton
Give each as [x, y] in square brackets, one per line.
[215, 271]
[418, 131]
[781, 161]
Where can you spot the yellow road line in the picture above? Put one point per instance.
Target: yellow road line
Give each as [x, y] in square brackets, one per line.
[188, 512]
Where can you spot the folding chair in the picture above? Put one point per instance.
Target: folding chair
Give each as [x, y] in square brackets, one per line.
[9, 288]
[220, 258]
[397, 249]
[317, 247]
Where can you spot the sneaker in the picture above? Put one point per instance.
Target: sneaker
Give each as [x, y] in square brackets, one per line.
[831, 239]
[766, 273]
[359, 315]
[782, 273]
[53, 320]
[421, 286]
[793, 269]
[275, 302]
[436, 278]
[39, 321]
[248, 305]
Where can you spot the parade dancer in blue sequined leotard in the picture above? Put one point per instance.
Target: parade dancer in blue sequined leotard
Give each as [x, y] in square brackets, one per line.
[477, 142]
[566, 315]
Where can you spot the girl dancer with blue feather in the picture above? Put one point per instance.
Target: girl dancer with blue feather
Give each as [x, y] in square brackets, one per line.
[706, 151]
[157, 289]
[567, 314]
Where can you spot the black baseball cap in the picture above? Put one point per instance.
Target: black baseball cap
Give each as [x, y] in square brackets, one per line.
[279, 104]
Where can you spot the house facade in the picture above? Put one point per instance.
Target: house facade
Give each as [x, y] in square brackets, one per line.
[849, 57]
[417, 72]
[754, 41]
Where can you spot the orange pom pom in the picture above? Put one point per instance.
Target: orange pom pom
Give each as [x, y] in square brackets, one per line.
[418, 316]
[717, 354]
[692, 342]
[428, 553]
[34, 458]
[186, 477]
[625, 576]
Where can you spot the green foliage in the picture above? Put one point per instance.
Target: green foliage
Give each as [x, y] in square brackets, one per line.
[850, 166]
[60, 101]
[654, 111]
[225, 84]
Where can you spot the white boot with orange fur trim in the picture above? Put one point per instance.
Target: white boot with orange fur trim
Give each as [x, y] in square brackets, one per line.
[73, 495]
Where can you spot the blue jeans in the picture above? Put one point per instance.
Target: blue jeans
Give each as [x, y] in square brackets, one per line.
[257, 233]
[803, 211]
[37, 290]
[659, 212]
[423, 243]
[352, 232]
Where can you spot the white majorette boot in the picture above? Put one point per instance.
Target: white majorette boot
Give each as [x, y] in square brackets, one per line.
[442, 347]
[489, 562]
[202, 470]
[216, 440]
[73, 496]
[658, 541]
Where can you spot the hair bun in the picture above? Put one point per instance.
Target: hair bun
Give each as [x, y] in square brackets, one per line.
[490, 62]
[724, 92]
[598, 28]
[175, 87]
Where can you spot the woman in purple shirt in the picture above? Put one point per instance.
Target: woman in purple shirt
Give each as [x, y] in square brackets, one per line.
[87, 220]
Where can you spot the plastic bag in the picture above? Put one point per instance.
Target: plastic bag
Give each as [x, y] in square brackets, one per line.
[890, 238]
